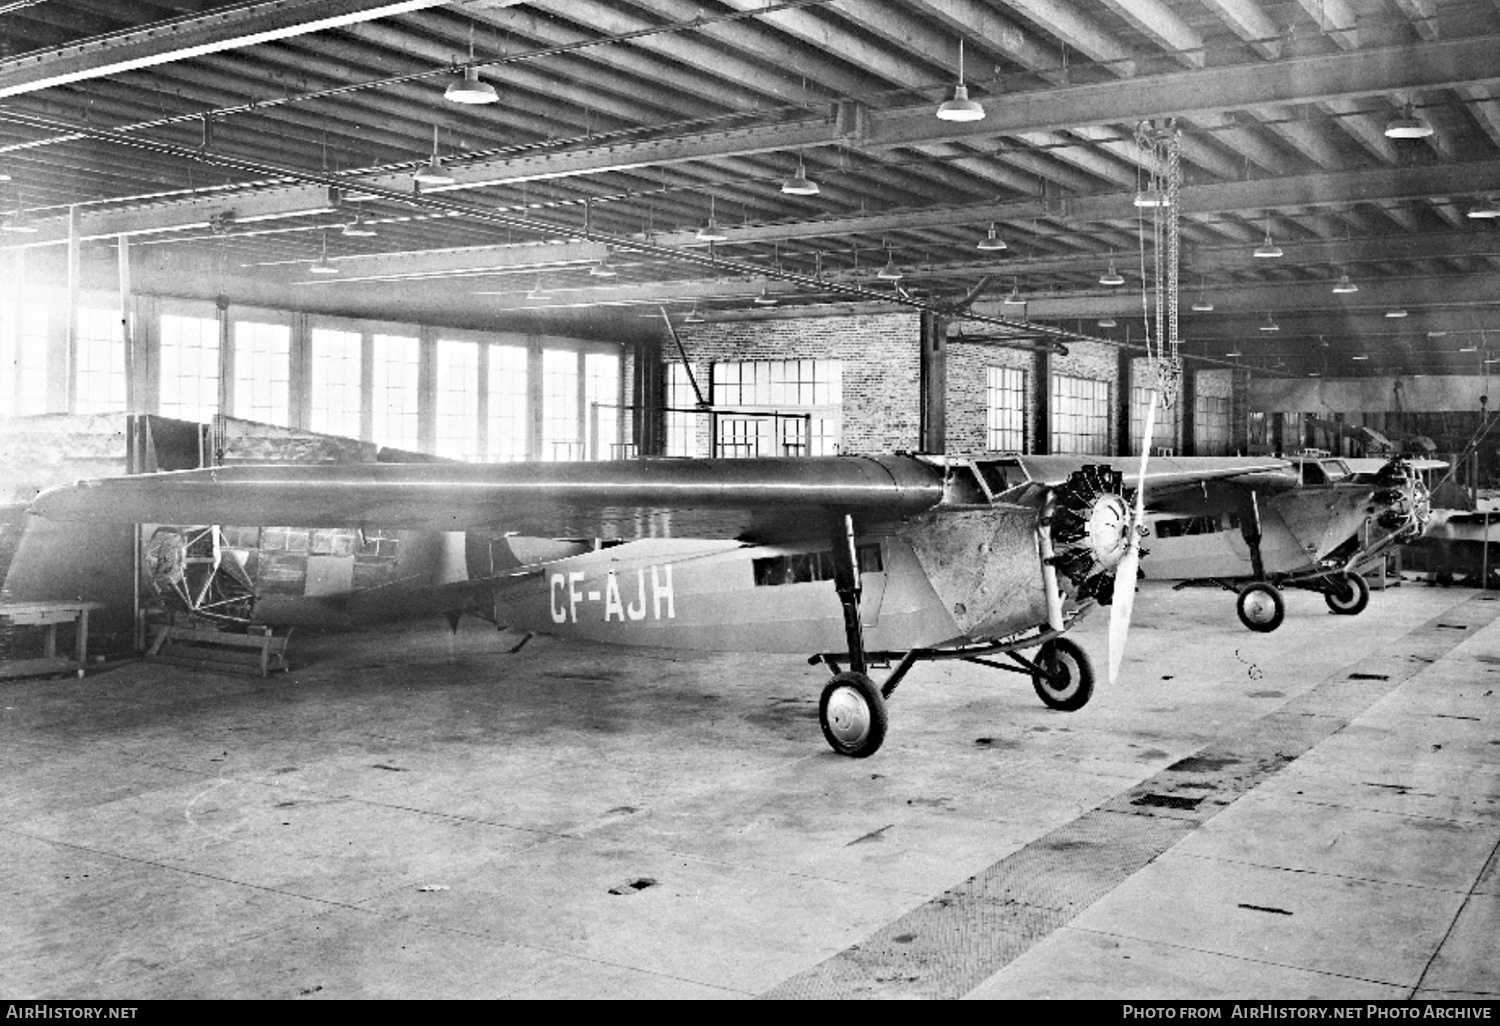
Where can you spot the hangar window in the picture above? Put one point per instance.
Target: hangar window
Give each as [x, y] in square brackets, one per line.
[1163, 435]
[560, 439]
[601, 394]
[101, 362]
[23, 358]
[805, 567]
[1005, 403]
[1080, 416]
[458, 399]
[509, 413]
[337, 359]
[1211, 425]
[1179, 527]
[189, 367]
[682, 421]
[807, 394]
[262, 370]
[393, 390]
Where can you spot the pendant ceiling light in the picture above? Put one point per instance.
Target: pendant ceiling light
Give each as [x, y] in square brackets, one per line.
[1111, 276]
[1396, 313]
[1015, 299]
[710, 232]
[799, 184]
[992, 242]
[358, 228]
[466, 87]
[1107, 322]
[433, 172]
[603, 268]
[322, 265]
[959, 107]
[1268, 248]
[1486, 208]
[1345, 286]
[890, 272]
[693, 317]
[1407, 125]
[1270, 324]
[1148, 198]
[765, 298]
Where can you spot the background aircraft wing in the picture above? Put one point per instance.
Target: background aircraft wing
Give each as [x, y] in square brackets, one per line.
[1167, 475]
[748, 499]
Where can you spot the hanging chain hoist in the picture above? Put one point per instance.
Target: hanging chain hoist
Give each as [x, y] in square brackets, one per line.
[1162, 146]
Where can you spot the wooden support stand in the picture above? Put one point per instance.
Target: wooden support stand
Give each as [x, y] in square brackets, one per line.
[48, 615]
[203, 646]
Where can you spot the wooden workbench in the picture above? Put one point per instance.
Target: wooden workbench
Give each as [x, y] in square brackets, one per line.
[48, 615]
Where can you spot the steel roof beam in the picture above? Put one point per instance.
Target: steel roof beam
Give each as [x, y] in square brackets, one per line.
[193, 36]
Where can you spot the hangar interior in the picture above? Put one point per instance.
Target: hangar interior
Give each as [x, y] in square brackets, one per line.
[572, 231]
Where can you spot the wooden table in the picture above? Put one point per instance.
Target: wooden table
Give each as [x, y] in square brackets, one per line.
[48, 615]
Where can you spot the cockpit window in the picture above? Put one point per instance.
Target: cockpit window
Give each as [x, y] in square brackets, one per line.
[1337, 470]
[1002, 475]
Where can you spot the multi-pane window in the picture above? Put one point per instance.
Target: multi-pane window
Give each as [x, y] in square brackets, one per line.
[601, 395]
[262, 371]
[394, 391]
[23, 358]
[786, 407]
[510, 414]
[1080, 415]
[1005, 409]
[458, 399]
[1211, 415]
[1163, 433]
[189, 367]
[560, 436]
[101, 362]
[337, 358]
[681, 422]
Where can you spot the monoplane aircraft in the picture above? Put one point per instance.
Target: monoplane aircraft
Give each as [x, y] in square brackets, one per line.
[855, 561]
[1311, 525]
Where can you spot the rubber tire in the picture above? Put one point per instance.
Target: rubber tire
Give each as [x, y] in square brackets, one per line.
[1063, 655]
[1356, 603]
[877, 719]
[1278, 606]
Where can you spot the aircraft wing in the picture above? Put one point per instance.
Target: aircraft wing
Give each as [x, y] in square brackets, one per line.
[750, 498]
[1168, 474]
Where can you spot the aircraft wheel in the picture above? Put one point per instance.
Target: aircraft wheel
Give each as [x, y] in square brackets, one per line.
[852, 712]
[1350, 595]
[1069, 681]
[1260, 607]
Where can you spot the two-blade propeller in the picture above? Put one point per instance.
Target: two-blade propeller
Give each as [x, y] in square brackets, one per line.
[1128, 569]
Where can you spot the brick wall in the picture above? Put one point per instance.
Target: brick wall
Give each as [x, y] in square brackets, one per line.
[968, 404]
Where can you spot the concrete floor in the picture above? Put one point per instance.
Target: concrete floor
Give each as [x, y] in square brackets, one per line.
[1311, 813]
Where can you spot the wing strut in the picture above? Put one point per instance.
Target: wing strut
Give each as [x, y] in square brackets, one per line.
[846, 580]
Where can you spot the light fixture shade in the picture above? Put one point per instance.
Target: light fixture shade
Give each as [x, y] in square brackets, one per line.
[1151, 198]
[357, 229]
[1268, 248]
[603, 268]
[1395, 313]
[992, 242]
[1345, 286]
[960, 107]
[890, 272]
[1111, 277]
[711, 232]
[1407, 125]
[765, 298]
[1485, 208]
[1270, 325]
[18, 225]
[322, 266]
[1107, 322]
[799, 184]
[467, 88]
[1360, 356]
[693, 317]
[1015, 299]
[538, 294]
[434, 173]
[1202, 306]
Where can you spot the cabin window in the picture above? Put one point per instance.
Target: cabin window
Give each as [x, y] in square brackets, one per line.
[806, 567]
[1080, 416]
[394, 391]
[1005, 409]
[262, 371]
[1179, 527]
[189, 367]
